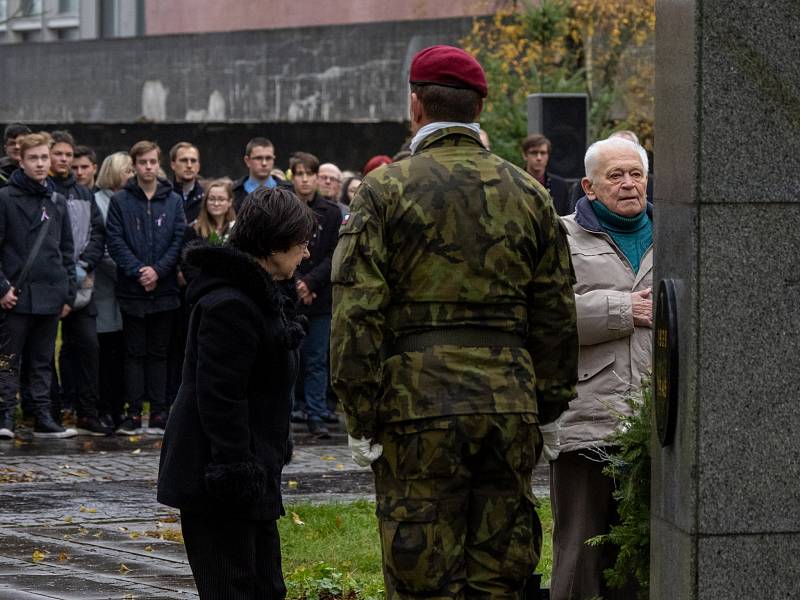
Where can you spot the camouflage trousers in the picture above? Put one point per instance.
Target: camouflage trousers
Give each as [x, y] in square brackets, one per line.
[455, 506]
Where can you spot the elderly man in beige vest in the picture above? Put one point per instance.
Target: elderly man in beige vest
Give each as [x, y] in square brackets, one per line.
[611, 242]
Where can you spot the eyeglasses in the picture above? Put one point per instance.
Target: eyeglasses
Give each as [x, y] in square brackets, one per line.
[327, 178]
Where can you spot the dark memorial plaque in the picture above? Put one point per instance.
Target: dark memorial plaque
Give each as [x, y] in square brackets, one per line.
[665, 362]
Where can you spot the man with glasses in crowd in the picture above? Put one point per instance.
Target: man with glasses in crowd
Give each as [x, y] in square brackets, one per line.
[259, 156]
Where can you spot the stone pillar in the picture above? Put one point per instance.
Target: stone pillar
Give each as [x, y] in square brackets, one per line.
[726, 494]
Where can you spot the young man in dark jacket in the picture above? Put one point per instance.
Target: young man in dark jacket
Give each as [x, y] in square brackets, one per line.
[79, 357]
[145, 231]
[314, 290]
[33, 299]
[10, 162]
[184, 161]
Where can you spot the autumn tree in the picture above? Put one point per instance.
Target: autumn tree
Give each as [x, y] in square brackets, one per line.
[601, 48]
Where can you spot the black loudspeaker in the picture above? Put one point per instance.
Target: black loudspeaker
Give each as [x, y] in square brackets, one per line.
[564, 120]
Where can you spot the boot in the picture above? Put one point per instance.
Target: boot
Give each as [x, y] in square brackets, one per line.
[46, 427]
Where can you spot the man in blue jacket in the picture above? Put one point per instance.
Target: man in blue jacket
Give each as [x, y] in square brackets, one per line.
[145, 231]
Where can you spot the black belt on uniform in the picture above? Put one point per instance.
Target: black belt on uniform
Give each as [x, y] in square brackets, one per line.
[471, 337]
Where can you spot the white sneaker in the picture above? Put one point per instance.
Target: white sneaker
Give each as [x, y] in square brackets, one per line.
[69, 432]
[6, 433]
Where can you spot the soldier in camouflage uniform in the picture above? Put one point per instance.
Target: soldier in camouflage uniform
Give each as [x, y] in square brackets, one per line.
[454, 335]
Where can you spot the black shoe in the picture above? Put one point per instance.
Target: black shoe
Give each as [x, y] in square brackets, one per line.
[45, 427]
[319, 430]
[92, 426]
[157, 423]
[299, 416]
[7, 426]
[108, 421]
[131, 425]
[331, 418]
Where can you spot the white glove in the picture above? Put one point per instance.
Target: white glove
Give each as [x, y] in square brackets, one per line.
[364, 451]
[551, 434]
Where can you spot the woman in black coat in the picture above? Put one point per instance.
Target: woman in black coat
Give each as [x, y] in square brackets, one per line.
[226, 436]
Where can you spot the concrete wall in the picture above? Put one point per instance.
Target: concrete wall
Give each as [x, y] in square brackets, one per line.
[348, 73]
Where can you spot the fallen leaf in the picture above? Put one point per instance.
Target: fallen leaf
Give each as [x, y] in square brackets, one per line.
[123, 568]
[133, 535]
[123, 529]
[340, 466]
[78, 473]
[83, 531]
[137, 451]
[134, 438]
[68, 519]
[292, 484]
[99, 534]
[148, 548]
[171, 534]
[327, 457]
[39, 555]
[170, 519]
[296, 519]
[86, 509]
[338, 521]
[63, 557]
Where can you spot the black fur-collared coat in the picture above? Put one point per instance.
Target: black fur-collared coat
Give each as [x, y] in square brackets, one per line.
[226, 436]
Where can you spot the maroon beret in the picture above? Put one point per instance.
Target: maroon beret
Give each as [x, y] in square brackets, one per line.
[448, 66]
[375, 162]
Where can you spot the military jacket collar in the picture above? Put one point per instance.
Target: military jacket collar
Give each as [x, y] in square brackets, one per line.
[449, 136]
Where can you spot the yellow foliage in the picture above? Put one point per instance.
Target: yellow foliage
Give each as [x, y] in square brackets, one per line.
[604, 49]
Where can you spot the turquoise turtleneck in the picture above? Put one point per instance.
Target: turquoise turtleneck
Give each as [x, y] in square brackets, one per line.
[633, 235]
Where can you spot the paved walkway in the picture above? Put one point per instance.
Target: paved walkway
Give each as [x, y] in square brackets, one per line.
[79, 519]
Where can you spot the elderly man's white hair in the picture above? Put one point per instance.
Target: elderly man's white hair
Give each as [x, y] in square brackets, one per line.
[336, 169]
[613, 143]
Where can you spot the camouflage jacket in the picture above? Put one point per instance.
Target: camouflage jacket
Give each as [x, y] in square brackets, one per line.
[453, 236]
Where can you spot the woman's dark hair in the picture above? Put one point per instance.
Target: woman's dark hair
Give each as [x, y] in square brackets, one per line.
[271, 220]
[343, 197]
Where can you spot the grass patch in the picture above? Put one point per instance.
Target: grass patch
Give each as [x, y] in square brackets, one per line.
[332, 551]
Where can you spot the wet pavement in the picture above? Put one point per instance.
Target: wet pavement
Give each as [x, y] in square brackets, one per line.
[79, 518]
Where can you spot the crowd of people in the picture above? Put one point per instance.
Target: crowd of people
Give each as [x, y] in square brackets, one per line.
[98, 248]
[472, 316]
